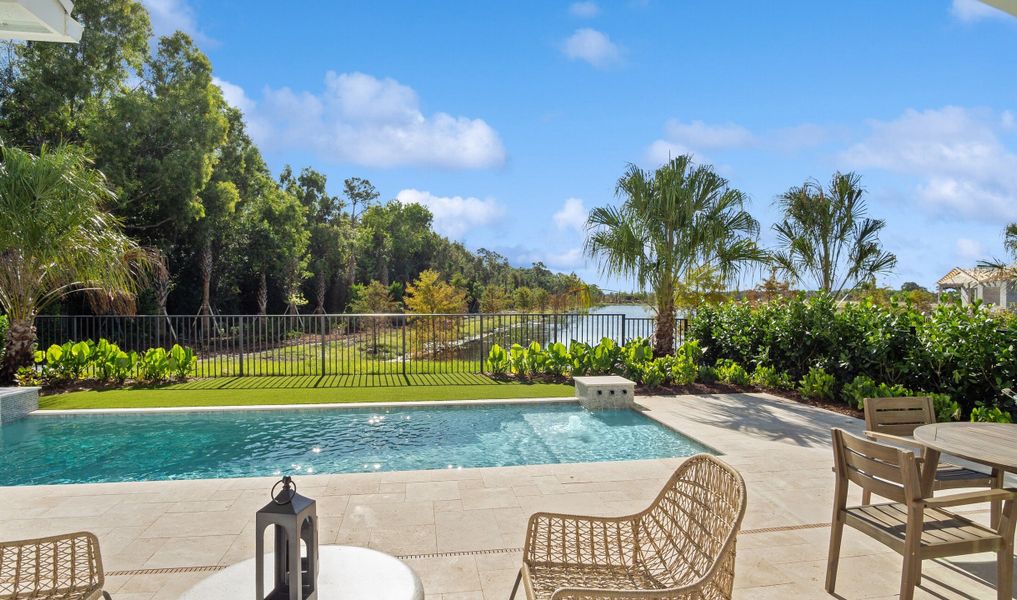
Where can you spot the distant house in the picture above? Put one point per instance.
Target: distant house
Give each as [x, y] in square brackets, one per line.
[993, 287]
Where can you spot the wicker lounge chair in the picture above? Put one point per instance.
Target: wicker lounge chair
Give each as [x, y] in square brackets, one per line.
[680, 548]
[894, 420]
[61, 567]
[917, 527]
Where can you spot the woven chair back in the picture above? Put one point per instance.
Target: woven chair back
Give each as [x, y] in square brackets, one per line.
[692, 524]
[64, 566]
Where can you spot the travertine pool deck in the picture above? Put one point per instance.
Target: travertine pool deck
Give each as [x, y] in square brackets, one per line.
[461, 530]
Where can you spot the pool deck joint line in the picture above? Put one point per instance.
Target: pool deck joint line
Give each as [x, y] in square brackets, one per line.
[484, 552]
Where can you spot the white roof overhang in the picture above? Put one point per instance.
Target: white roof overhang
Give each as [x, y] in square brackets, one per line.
[39, 20]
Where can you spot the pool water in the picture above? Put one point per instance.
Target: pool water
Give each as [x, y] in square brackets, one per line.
[204, 445]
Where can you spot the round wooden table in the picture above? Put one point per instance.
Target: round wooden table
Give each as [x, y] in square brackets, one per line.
[347, 573]
[991, 444]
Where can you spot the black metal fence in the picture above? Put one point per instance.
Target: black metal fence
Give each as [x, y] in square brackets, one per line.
[343, 344]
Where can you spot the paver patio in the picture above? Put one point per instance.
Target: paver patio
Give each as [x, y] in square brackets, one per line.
[461, 530]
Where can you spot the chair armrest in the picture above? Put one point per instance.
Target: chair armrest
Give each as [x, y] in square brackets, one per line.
[897, 439]
[970, 498]
[573, 539]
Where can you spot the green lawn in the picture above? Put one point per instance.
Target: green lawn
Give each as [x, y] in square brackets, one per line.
[241, 391]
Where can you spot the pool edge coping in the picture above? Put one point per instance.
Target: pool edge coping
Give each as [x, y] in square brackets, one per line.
[299, 406]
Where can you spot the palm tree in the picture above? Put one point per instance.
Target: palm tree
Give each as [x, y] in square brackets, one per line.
[826, 238]
[55, 238]
[672, 221]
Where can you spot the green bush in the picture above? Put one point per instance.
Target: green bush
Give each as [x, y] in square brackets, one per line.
[557, 359]
[67, 361]
[605, 357]
[731, 372]
[181, 361]
[768, 377]
[707, 374]
[517, 359]
[817, 384]
[946, 409]
[653, 374]
[990, 414]
[497, 360]
[966, 352]
[154, 365]
[861, 387]
[580, 358]
[634, 355]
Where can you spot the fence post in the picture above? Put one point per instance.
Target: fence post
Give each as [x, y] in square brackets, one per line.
[322, 318]
[622, 330]
[481, 343]
[241, 348]
[402, 322]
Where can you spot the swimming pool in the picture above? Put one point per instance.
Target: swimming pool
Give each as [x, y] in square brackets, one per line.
[215, 444]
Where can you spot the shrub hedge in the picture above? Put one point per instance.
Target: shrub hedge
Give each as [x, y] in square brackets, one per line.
[966, 353]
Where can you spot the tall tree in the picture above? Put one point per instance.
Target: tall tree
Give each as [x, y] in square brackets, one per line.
[679, 218]
[49, 93]
[159, 145]
[55, 238]
[160, 142]
[825, 237]
[329, 230]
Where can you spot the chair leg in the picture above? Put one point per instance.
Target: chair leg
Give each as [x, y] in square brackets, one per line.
[996, 506]
[866, 497]
[1004, 573]
[908, 576]
[515, 587]
[833, 559]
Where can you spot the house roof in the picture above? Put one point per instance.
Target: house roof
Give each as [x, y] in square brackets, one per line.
[958, 277]
[39, 20]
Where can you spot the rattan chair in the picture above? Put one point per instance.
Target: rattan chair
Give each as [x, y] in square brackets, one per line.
[894, 420]
[680, 548]
[917, 527]
[61, 567]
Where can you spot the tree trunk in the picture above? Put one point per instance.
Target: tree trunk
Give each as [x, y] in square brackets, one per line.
[262, 294]
[319, 294]
[20, 348]
[663, 337]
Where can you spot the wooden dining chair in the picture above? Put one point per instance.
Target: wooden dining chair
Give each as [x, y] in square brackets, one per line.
[917, 527]
[894, 420]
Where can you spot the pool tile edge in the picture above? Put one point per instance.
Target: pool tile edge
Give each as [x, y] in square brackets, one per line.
[303, 406]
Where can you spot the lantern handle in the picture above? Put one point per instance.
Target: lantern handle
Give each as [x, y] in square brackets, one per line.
[288, 486]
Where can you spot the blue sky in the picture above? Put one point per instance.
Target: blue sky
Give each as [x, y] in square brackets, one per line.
[511, 120]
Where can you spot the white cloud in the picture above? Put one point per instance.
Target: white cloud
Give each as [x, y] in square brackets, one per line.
[693, 137]
[698, 134]
[964, 167]
[592, 46]
[168, 16]
[797, 137]
[970, 250]
[234, 95]
[974, 10]
[584, 10]
[368, 121]
[700, 138]
[568, 259]
[454, 216]
[572, 215]
[662, 151]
